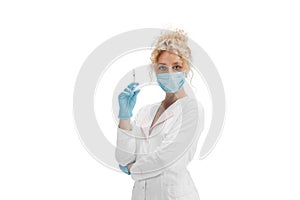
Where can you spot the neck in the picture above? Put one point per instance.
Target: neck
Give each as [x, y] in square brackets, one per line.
[172, 97]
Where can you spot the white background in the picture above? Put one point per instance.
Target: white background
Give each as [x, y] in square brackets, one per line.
[254, 44]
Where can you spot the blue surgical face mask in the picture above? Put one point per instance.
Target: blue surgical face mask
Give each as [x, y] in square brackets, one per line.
[171, 82]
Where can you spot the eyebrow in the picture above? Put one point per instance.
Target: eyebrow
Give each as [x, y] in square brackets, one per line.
[175, 63]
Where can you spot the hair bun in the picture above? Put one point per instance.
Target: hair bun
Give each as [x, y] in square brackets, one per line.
[174, 42]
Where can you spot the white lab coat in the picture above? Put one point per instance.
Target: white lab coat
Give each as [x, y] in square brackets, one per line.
[162, 152]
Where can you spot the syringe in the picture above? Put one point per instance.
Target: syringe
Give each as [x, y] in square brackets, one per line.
[133, 74]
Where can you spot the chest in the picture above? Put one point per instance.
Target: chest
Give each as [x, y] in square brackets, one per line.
[154, 134]
[157, 115]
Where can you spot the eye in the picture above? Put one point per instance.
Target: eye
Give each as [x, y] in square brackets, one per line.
[162, 68]
[177, 67]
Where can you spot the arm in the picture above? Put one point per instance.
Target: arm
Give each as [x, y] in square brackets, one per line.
[126, 143]
[127, 132]
[175, 144]
[124, 124]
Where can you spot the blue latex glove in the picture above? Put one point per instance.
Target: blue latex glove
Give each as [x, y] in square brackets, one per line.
[124, 169]
[127, 100]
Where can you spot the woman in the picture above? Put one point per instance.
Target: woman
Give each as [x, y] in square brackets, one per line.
[157, 146]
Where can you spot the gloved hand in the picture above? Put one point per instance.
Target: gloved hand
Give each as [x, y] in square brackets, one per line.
[124, 169]
[127, 100]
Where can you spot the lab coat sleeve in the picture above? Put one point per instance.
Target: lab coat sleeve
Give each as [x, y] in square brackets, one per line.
[126, 143]
[176, 143]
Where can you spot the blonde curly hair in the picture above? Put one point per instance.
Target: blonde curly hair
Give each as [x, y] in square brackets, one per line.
[173, 42]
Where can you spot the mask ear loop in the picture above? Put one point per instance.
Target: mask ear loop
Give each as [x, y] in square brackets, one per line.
[191, 75]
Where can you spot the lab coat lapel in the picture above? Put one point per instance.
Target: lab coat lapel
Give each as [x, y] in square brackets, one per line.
[148, 118]
[164, 116]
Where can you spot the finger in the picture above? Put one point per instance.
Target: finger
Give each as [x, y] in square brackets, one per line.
[123, 95]
[133, 85]
[136, 92]
[127, 90]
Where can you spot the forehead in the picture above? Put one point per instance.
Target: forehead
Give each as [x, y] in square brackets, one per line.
[168, 57]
